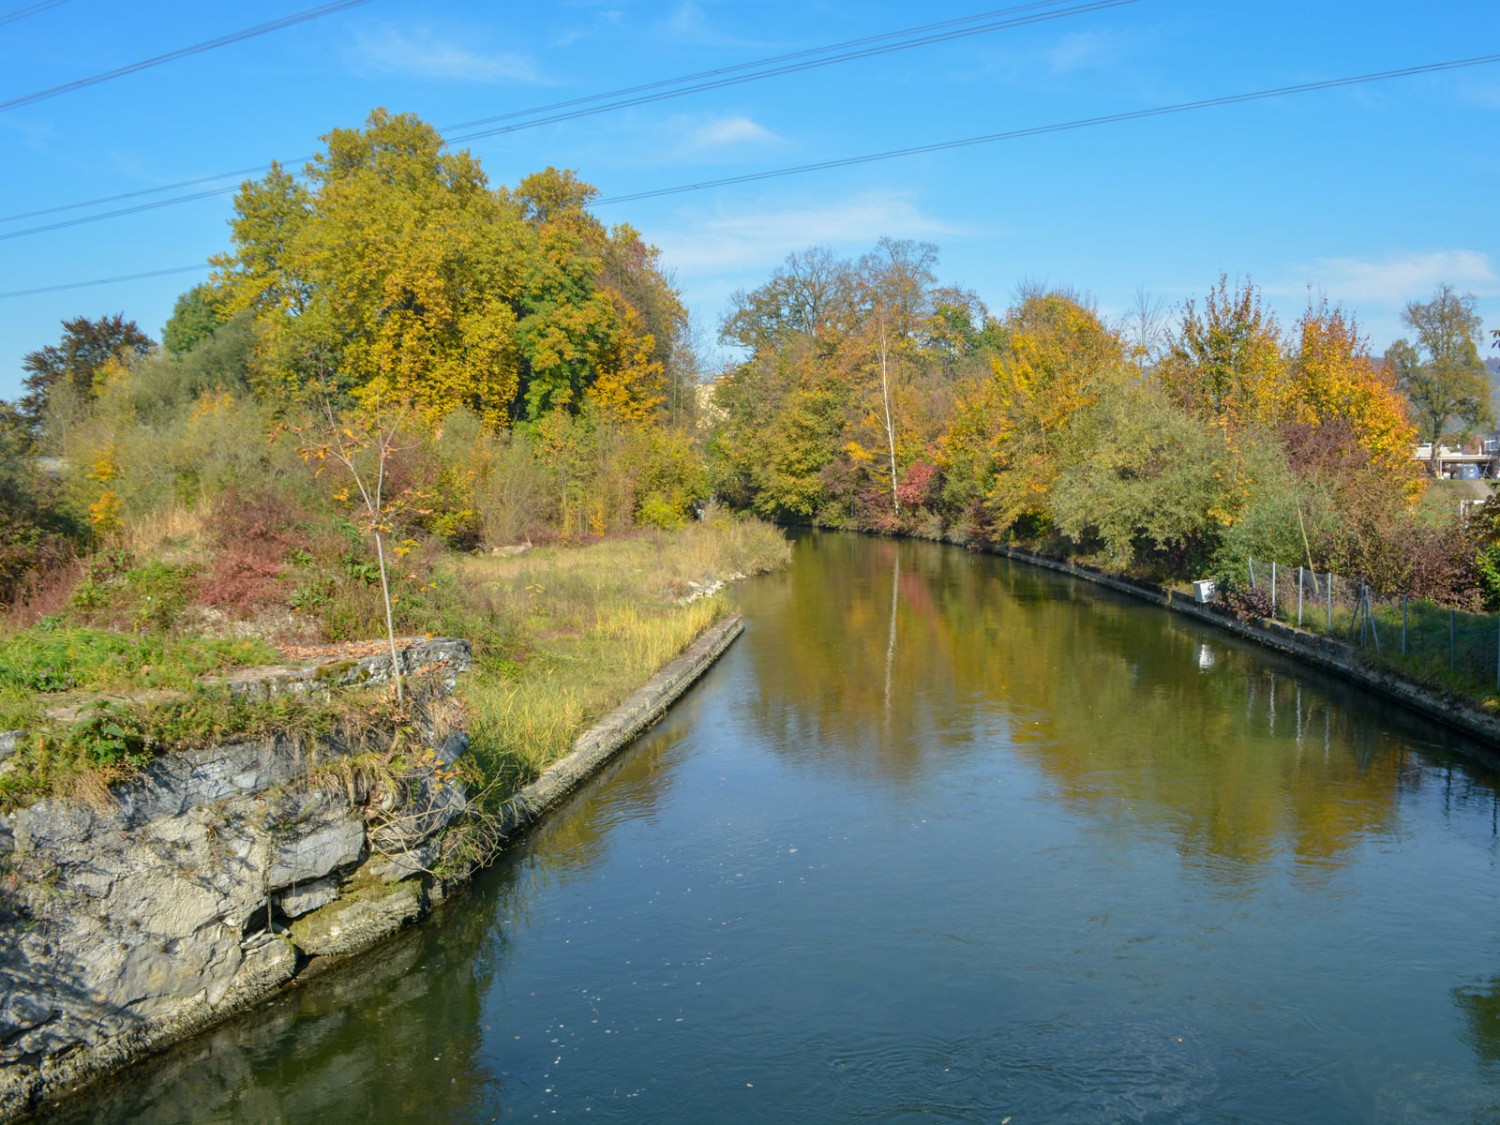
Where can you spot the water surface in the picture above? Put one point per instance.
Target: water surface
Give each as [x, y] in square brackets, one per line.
[941, 837]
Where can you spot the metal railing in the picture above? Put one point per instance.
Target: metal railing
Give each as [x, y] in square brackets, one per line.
[1432, 642]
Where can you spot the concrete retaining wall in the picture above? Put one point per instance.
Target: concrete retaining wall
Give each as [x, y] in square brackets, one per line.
[1324, 652]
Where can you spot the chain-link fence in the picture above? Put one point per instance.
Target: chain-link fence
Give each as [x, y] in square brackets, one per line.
[1427, 641]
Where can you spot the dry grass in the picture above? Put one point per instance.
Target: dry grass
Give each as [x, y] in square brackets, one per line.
[591, 624]
[174, 534]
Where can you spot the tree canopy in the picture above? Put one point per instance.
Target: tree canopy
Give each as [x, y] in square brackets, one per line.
[391, 269]
[1442, 374]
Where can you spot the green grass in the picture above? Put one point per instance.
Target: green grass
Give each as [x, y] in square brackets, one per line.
[108, 741]
[561, 635]
[568, 632]
[51, 659]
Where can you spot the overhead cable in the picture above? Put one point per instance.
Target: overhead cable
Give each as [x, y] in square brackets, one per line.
[989, 138]
[182, 53]
[1060, 127]
[28, 10]
[103, 281]
[792, 68]
[705, 80]
[774, 60]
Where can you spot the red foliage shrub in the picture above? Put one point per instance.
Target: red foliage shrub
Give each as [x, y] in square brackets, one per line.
[46, 590]
[254, 532]
[919, 485]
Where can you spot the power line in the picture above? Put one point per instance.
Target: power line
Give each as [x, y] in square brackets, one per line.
[61, 223]
[772, 61]
[182, 53]
[1060, 127]
[706, 80]
[103, 281]
[29, 10]
[965, 142]
[793, 68]
[137, 194]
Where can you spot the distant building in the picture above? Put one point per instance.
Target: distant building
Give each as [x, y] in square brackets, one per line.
[1481, 461]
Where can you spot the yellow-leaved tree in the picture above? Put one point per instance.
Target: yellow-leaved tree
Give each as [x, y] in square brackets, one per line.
[1225, 363]
[1012, 431]
[1333, 384]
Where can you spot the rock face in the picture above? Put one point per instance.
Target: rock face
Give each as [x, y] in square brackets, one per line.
[206, 882]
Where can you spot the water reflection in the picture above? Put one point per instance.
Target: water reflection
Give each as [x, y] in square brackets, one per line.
[392, 1037]
[942, 836]
[881, 646]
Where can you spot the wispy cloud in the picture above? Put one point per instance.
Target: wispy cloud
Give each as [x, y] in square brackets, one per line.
[747, 240]
[423, 53]
[716, 139]
[1393, 280]
[604, 21]
[1087, 50]
[688, 23]
[1067, 55]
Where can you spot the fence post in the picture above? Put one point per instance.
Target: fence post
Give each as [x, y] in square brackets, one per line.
[1370, 617]
[1403, 624]
[1299, 599]
[1273, 589]
[1251, 564]
[1330, 603]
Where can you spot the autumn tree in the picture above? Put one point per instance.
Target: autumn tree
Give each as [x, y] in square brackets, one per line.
[1332, 383]
[894, 284]
[1010, 438]
[391, 270]
[1225, 361]
[1442, 374]
[71, 366]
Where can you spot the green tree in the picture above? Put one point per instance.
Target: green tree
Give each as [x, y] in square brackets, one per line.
[1442, 375]
[194, 319]
[390, 273]
[1152, 483]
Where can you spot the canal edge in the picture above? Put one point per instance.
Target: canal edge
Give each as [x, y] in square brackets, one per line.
[1324, 653]
[618, 729]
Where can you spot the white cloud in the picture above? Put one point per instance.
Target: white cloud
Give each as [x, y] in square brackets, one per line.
[730, 131]
[759, 240]
[1393, 280]
[715, 140]
[689, 24]
[1086, 50]
[421, 52]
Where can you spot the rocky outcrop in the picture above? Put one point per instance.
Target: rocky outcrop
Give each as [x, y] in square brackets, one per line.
[218, 875]
[211, 878]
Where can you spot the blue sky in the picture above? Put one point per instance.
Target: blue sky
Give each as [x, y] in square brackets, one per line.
[1370, 195]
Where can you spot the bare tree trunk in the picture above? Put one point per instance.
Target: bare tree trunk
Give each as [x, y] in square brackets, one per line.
[890, 429]
[390, 625]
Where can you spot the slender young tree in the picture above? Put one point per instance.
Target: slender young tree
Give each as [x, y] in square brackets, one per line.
[364, 450]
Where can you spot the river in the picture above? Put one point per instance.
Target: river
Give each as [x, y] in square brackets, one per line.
[941, 837]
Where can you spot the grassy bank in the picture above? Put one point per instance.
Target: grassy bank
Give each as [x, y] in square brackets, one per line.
[560, 633]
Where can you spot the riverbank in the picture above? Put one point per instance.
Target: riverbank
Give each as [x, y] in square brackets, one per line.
[1327, 653]
[153, 905]
[338, 884]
